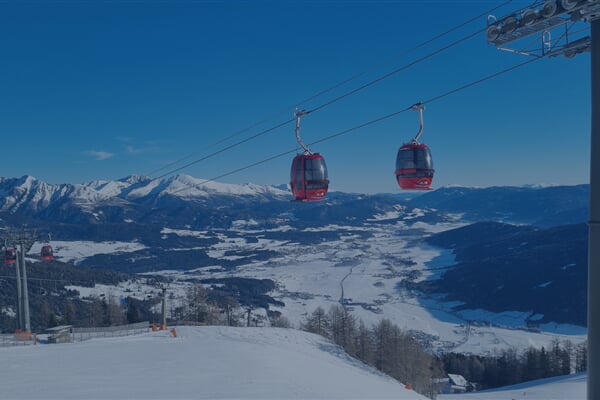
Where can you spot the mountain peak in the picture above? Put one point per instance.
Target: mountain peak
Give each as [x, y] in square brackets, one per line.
[133, 179]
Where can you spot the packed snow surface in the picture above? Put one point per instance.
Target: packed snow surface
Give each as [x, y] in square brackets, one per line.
[200, 363]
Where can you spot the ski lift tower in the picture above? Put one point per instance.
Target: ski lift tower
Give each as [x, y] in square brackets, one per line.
[24, 241]
[163, 309]
[558, 18]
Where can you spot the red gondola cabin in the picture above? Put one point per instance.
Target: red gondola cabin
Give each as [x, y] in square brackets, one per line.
[308, 178]
[414, 167]
[10, 256]
[47, 254]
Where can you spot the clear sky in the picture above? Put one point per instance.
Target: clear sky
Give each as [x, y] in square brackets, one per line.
[99, 90]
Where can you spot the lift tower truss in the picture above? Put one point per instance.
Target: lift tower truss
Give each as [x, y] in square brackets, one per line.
[545, 18]
[23, 241]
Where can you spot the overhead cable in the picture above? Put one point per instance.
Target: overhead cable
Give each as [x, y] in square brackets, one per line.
[328, 103]
[331, 88]
[374, 121]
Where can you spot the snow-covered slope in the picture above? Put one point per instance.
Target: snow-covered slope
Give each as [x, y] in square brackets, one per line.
[200, 363]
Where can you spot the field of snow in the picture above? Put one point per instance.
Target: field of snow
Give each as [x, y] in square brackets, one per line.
[135, 289]
[76, 251]
[367, 276]
[200, 363]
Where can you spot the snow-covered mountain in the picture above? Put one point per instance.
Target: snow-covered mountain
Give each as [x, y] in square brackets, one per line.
[137, 197]
[534, 205]
[30, 196]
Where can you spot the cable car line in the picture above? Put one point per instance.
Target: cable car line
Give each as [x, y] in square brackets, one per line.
[328, 103]
[372, 122]
[404, 67]
[331, 88]
[237, 133]
[227, 148]
[478, 81]
[431, 100]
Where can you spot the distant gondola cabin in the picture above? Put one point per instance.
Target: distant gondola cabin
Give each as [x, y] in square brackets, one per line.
[47, 253]
[10, 256]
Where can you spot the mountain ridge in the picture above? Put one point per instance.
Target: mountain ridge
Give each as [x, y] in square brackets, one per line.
[28, 196]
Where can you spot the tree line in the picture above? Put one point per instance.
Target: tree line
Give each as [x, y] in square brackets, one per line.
[508, 367]
[395, 352]
[384, 346]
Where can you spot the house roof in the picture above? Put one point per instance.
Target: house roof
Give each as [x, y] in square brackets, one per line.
[458, 380]
[59, 328]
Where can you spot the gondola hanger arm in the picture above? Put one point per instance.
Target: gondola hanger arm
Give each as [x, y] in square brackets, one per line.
[298, 114]
[418, 107]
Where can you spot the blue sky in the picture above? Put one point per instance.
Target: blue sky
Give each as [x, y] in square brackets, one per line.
[105, 89]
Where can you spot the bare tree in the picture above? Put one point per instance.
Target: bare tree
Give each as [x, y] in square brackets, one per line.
[69, 315]
[363, 344]
[383, 346]
[386, 347]
[279, 321]
[196, 303]
[115, 314]
[581, 357]
[317, 322]
[249, 314]
[96, 312]
[229, 304]
[342, 327]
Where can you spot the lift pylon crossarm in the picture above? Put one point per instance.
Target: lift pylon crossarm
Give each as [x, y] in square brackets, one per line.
[542, 17]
